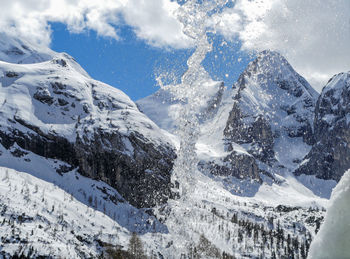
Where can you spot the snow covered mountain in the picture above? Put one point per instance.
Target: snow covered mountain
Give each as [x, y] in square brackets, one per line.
[263, 125]
[272, 114]
[18, 51]
[163, 108]
[82, 168]
[54, 109]
[329, 157]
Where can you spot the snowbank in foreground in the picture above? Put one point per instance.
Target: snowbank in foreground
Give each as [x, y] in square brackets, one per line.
[333, 239]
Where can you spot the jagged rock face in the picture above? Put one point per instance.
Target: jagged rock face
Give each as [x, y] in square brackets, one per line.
[329, 158]
[56, 110]
[236, 164]
[258, 133]
[272, 113]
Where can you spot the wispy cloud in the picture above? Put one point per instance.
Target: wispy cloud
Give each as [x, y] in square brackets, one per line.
[314, 35]
[153, 20]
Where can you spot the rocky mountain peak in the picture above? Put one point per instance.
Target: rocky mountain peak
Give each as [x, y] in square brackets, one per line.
[272, 111]
[55, 110]
[271, 69]
[329, 156]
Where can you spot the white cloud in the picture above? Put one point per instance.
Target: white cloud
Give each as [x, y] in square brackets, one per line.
[155, 22]
[314, 35]
[152, 20]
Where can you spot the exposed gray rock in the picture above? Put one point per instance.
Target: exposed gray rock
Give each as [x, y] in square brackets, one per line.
[236, 164]
[329, 157]
[102, 133]
[272, 114]
[43, 95]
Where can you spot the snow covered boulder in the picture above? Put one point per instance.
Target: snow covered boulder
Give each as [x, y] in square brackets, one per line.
[332, 241]
[329, 157]
[55, 110]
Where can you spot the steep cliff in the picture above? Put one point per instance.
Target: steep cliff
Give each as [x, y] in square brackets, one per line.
[270, 120]
[54, 109]
[329, 157]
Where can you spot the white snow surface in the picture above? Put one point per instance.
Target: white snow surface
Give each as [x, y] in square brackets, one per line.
[14, 50]
[333, 240]
[30, 185]
[163, 108]
[58, 94]
[51, 221]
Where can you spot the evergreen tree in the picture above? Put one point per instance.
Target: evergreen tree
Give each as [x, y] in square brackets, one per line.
[136, 247]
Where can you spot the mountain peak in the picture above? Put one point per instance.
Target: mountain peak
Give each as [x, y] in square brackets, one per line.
[329, 156]
[270, 70]
[337, 81]
[14, 50]
[273, 109]
[270, 54]
[270, 63]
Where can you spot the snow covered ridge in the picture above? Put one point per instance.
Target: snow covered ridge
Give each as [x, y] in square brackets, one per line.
[13, 50]
[333, 239]
[272, 113]
[56, 110]
[329, 157]
[263, 125]
[71, 220]
[73, 149]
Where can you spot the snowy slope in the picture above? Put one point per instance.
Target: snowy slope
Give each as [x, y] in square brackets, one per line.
[14, 50]
[163, 108]
[54, 109]
[39, 218]
[210, 210]
[51, 105]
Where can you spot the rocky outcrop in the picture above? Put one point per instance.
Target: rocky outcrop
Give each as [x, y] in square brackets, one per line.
[272, 114]
[258, 134]
[239, 165]
[142, 178]
[54, 109]
[329, 157]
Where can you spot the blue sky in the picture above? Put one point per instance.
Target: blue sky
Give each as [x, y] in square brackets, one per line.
[312, 34]
[130, 64]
